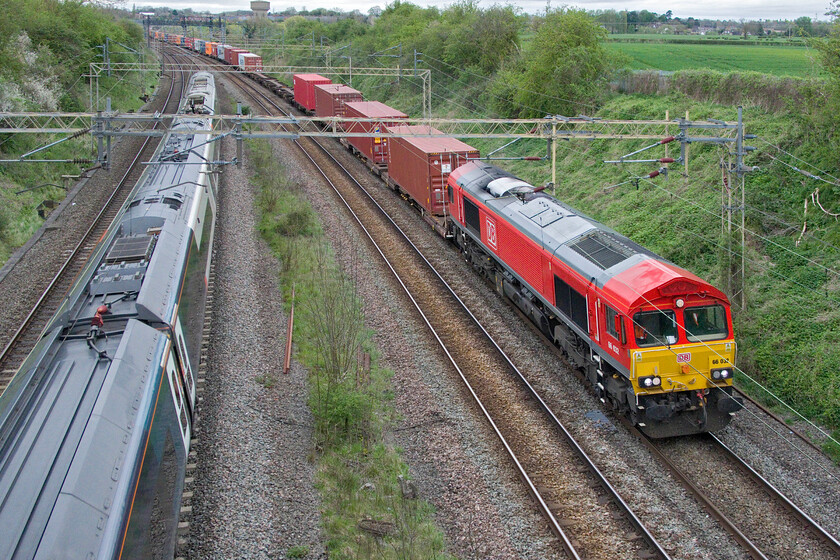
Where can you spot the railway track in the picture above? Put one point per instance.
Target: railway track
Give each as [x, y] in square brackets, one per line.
[761, 539]
[546, 456]
[723, 487]
[759, 531]
[27, 335]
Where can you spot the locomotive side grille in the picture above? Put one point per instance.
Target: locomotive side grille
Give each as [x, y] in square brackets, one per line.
[471, 216]
[601, 250]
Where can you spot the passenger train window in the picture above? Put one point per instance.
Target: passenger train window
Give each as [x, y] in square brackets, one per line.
[188, 376]
[178, 399]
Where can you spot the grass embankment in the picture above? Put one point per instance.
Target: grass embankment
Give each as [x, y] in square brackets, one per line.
[357, 471]
[788, 335]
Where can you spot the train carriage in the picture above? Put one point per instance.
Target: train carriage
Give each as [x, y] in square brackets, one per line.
[373, 149]
[95, 427]
[304, 89]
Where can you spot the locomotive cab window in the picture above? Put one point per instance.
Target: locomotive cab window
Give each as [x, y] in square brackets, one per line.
[655, 328]
[615, 324]
[705, 323]
[449, 189]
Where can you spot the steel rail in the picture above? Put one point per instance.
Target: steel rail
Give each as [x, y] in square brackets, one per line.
[707, 504]
[805, 439]
[803, 517]
[742, 539]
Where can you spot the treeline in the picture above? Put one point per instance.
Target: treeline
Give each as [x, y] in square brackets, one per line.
[499, 60]
[646, 22]
[46, 45]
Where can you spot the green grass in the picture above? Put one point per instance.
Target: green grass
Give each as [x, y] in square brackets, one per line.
[772, 59]
[357, 470]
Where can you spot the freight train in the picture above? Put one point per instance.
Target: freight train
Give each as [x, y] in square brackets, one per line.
[95, 427]
[654, 341]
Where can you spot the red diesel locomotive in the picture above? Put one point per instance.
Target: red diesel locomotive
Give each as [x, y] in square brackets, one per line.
[654, 340]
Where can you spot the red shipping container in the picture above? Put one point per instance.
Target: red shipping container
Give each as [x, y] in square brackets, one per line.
[421, 166]
[330, 99]
[304, 86]
[189, 42]
[374, 149]
[232, 55]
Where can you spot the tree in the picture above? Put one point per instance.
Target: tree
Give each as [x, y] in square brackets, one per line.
[804, 26]
[566, 67]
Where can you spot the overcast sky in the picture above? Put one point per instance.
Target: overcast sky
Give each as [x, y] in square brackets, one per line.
[714, 9]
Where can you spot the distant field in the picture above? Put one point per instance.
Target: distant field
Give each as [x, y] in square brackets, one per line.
[775, 60]
[733, 39]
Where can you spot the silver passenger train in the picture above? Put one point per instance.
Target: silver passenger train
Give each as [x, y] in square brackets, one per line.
[95, 426]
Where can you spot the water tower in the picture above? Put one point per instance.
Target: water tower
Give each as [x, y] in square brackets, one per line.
[260, 8]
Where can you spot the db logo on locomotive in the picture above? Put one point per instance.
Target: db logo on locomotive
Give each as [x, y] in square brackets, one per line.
[491, 234]
[684, 358]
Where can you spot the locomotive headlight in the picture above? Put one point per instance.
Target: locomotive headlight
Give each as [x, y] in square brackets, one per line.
[652, 381]
[721, 374]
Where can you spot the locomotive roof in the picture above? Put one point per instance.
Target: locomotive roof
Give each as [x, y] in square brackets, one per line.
[622, 268]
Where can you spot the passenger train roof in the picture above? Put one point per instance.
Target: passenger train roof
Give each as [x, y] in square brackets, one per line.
[70, 418]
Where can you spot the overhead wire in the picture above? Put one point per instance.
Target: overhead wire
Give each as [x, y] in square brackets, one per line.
[751, 232]
[768, 391]
[787, 278]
